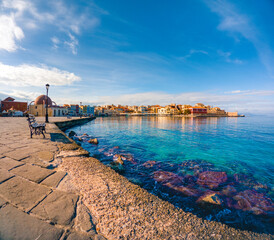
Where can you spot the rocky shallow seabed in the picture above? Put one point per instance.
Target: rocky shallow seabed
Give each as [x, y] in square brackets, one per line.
[196, 186]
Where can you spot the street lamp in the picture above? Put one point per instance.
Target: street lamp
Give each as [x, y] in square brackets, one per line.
[47, 103]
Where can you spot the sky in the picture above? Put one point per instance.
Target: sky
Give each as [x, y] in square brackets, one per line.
[220, 52]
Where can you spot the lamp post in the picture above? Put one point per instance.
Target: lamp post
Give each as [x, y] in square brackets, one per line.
[47, 103]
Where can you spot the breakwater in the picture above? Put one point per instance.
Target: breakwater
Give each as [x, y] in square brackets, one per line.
[64, 125]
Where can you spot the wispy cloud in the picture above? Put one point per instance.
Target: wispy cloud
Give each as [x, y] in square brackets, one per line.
[252, 92]
[55, 42]
[10, 33]
[227, 57]
[238, 23]
[31, 75]
[192, 52]
[20, 95]
[72, 43]
[18, 15]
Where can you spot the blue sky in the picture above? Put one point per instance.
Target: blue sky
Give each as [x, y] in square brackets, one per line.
[138, 52]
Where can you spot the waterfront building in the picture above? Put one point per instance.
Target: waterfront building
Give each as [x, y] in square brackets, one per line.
[87, 110]
[133, 108]
[10, 104]
[99, 111]
[142, 109]
[216, 111]
[154, 108]
[199, 105]
[38, 107]
[198, 110]
[164, 110]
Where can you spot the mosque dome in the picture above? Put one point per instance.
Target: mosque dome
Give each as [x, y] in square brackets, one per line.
[43, 100]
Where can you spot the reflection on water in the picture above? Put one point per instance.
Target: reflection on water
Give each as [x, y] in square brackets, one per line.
[190, 161]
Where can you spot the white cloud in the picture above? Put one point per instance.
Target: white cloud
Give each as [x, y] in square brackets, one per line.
[72, 44]
[55, 42]
[252, 92]
[32, 16]
[9, 33]
[19, 94]
[227, 57]
[31, 75]
[192, 52]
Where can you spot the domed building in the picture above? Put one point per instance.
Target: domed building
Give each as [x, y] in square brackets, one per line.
[38, 107]
[43, 100]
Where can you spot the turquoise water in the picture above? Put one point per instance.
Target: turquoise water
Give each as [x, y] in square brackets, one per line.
[243, 146]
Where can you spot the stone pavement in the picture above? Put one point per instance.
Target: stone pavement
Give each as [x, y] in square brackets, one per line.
[32, 205]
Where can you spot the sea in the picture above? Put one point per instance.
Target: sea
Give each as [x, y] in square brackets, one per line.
[166, 154]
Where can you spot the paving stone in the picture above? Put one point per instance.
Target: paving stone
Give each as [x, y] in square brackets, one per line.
[17, 225]
[17, 154]
[5, 175]
[78, 236]
[44, 155]
[35, 161]
[4, 148]
[54, 179]
[99, 237]
[8, 163]
[33, 173]
[58, 207]
[83, 221]
[2, 202]
[23, 193]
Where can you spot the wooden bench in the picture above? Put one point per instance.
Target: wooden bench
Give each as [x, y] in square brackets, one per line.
[35, 128]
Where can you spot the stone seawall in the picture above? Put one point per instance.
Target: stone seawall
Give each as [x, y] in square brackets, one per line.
[64, 125]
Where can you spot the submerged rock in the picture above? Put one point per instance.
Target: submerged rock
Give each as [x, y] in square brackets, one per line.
[117, 159]
[210, 197]
[212, 179]
[72, 133]
[229, 191]
[251, 200]
[188, 191]
[149, 164]
[93, 141]
[197, 166]
[164, 177]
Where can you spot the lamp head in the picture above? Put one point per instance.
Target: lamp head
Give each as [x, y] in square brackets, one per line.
[47, 86]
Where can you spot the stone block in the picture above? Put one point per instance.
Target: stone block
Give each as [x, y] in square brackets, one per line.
[54, 179]
[8, 163]
[22, 193]
[17, 154]
[83, 221]
[78, 236]
[17, 225]
[4, 148]
[5, 175]
[2, 202]
[35, 161]
[58, 207]
[33, 173]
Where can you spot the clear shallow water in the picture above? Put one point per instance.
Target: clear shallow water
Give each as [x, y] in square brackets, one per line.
[243, 146]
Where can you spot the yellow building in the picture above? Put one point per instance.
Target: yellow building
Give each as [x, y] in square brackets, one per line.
[38, 107]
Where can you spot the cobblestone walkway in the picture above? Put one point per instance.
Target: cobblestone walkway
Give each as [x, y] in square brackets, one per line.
[32, 205]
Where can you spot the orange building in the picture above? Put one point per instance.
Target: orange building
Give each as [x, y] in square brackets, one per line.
[9, 103]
